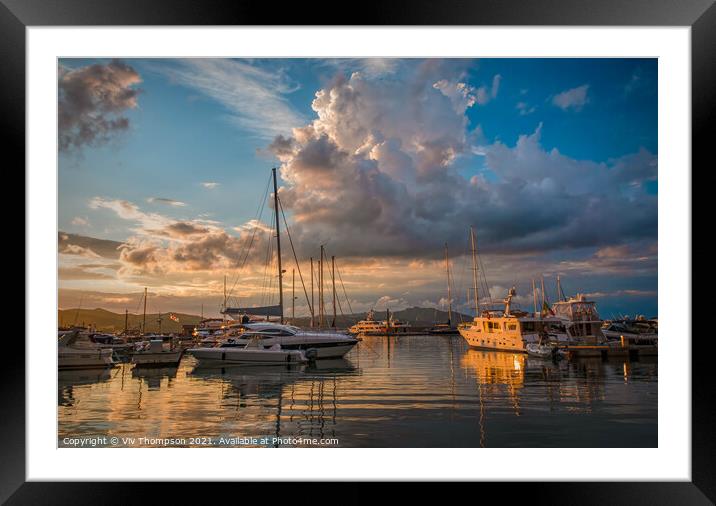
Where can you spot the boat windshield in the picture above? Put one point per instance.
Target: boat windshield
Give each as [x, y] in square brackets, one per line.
[273, 330]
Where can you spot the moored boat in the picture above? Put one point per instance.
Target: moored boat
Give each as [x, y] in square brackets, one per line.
[253, 352]
[446, 329]
[324, 344]
[155, 353]
[388, 327]
[76, 351]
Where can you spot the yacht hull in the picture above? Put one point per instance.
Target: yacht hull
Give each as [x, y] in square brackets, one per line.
[159, 358]
[498, 342]
[319, 349]
[84, 359]
[216, 356]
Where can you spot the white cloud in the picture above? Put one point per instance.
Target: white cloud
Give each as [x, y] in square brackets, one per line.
[80, 221]
[209, 185]
[255, 97]
[169, 202]
[375, 173]
[574, 98]
[524, 108]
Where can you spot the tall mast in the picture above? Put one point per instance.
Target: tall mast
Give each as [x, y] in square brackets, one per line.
[126, 319]
[144, 314]
[321, 307]
[534, 296]
[333, 279]
[313, 302]
[543, 295]
[224, 311]
[474, 271]
[278, 243]
[293, 295]
[447, 269]
[559, 289]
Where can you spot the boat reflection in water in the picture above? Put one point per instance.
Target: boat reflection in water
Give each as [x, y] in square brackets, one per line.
[496, 374]
[68, 380]
[396, 391]
[153, 376]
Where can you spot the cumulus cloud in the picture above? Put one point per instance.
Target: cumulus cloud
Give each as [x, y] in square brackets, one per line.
[572, 99]
[163, 245]
[375, 174]
[209, 185]
[92, 101]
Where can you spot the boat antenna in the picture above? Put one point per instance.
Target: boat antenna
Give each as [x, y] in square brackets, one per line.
[278, 244]
[474, 270]
[560, 292]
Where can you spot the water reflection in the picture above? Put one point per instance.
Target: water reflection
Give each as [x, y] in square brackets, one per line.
[69, 379]
[426, 391]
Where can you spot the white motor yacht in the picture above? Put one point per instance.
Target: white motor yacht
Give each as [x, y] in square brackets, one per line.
[76, 351]
[267, 334]
[154, 353]
[577, 322]
[252, 352]
[372, 327]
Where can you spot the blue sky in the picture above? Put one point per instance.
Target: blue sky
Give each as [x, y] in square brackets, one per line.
[444, 128]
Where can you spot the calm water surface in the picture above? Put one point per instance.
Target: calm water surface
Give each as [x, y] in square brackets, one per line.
[417, 391]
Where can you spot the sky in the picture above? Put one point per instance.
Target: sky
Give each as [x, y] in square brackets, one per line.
[164, 168]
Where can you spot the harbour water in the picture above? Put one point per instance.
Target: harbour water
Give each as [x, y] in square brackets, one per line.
[408, 391]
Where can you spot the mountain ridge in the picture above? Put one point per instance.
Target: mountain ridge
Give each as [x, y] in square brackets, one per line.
[109, 321]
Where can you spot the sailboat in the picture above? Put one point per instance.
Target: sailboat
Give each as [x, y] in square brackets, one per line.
[154, 352]
[446, 329]
[269, 339]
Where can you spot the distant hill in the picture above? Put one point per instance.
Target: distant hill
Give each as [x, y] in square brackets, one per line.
[107, 321]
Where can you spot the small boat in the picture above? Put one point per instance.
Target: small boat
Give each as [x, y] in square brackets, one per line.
[153, 353]
[116, 343]
[387, 327]
[444, 329]
[231, 352]
[76, 351]
[540, 350]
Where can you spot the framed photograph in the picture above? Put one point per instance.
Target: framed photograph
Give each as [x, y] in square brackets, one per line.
[429, 244]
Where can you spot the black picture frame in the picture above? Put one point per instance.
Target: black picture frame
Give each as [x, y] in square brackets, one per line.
[700, 15]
